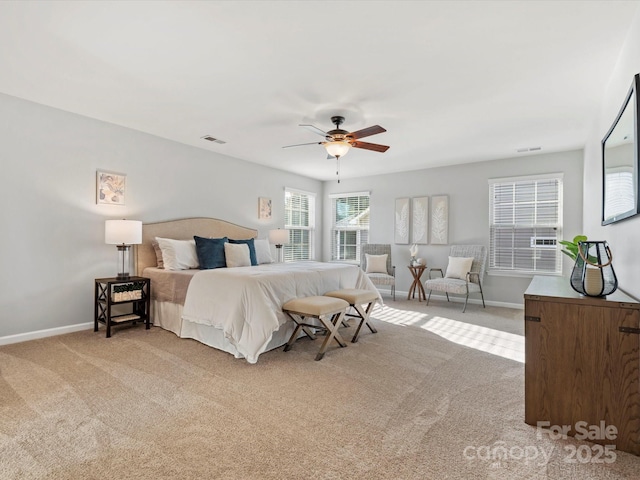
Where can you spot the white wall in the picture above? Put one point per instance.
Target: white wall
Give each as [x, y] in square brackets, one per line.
[623, 237]
[52, 239]
[468, 190]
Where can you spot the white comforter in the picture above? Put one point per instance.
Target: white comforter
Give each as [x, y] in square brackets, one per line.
[246, 302]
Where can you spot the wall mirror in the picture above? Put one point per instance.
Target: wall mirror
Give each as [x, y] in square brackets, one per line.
[620, 148]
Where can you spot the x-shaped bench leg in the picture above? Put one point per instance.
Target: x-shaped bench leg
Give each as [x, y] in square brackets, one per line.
[364, 315]
[332, 326]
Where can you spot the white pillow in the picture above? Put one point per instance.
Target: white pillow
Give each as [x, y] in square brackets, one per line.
[237, 255]
[376, 263]
[458, 267]
[178, 254]
[263, 251]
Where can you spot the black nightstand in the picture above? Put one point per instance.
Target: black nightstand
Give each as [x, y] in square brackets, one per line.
[114, 291]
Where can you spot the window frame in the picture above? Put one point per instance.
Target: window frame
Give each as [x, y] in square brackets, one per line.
[337, 231]
[310, 228]
[557, 226]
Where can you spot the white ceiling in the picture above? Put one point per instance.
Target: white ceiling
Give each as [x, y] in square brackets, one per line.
[452, 82]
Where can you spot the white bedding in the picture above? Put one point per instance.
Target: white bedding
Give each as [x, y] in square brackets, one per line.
[246, 302]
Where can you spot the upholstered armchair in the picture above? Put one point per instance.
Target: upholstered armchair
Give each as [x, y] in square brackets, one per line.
[463, 275]
[380, 270]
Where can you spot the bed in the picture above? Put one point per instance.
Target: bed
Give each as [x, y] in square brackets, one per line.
[237, 310]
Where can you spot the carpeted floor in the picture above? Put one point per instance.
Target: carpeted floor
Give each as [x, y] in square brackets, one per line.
[435, 394]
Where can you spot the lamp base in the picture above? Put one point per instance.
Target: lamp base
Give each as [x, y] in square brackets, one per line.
[123, 262]
[279, 251]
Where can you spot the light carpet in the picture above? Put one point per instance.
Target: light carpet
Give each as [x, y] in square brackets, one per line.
[435, 394]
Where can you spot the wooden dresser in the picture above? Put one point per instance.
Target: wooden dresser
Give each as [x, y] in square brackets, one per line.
[582, 360]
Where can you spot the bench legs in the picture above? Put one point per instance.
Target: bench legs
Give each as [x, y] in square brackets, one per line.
[331, 324]
[364, 315]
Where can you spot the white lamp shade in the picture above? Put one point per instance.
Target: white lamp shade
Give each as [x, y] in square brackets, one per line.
[279, 236]
[337, 149]
[123, 232]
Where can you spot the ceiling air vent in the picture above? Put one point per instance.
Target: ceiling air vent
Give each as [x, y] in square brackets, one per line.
[528, 149]
[213, 139]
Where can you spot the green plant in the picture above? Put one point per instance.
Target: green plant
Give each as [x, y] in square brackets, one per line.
[571, 248]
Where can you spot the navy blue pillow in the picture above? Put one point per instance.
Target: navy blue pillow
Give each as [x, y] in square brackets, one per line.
[252, 249]
[210, 252]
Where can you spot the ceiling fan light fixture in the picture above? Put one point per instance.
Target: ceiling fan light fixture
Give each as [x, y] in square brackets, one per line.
[337, 148]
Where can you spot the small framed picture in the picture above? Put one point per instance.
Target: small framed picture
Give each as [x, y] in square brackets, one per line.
[110, 188]
[264, 208]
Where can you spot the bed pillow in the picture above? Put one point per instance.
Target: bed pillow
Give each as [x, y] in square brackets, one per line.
[237, 255]
[252, 249]
[210, 252]
[263, 251]
[156, 248]
[178, 254]
[376, 263]
[459, 267]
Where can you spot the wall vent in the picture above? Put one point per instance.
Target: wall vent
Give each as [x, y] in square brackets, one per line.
[213, 139]
[543, 242]
[528, 149]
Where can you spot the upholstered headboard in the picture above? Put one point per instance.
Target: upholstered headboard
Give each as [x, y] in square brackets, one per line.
[184, 229]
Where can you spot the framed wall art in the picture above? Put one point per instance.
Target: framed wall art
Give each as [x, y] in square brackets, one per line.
[420, 220]
[264, 208]
[110, 187]
[439, 219]
[401, 232]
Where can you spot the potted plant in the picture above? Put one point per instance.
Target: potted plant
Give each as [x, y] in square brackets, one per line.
[571, 248]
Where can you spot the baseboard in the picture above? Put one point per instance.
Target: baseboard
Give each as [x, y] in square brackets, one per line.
[49, 332]
[477, 301]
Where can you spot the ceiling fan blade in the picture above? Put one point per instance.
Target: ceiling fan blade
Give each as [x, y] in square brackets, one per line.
[301, 144]
[366, 132]
[370, 146]
[314, 129]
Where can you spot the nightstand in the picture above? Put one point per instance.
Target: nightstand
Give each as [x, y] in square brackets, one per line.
[134, 291]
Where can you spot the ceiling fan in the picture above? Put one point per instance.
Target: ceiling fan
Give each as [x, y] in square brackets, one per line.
[338, 142]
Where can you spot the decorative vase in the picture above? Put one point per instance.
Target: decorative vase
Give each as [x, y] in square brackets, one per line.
[593, 273]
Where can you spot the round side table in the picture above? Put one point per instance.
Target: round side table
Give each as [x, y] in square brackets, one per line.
[416, 272]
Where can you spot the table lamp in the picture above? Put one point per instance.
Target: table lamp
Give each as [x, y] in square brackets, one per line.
[278, 238]
[123, 234]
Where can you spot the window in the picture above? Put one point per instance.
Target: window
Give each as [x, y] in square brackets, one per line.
[349, 225]
[299, 213]
[525, 222]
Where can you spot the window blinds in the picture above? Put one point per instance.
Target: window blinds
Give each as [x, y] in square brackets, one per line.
[350, 226]
[525, 220]
[299, 220]
[619, 181]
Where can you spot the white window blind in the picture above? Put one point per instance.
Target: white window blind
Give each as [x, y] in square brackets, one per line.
[350, 225]
[299, 213]
[620, 182]
[525, 221]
